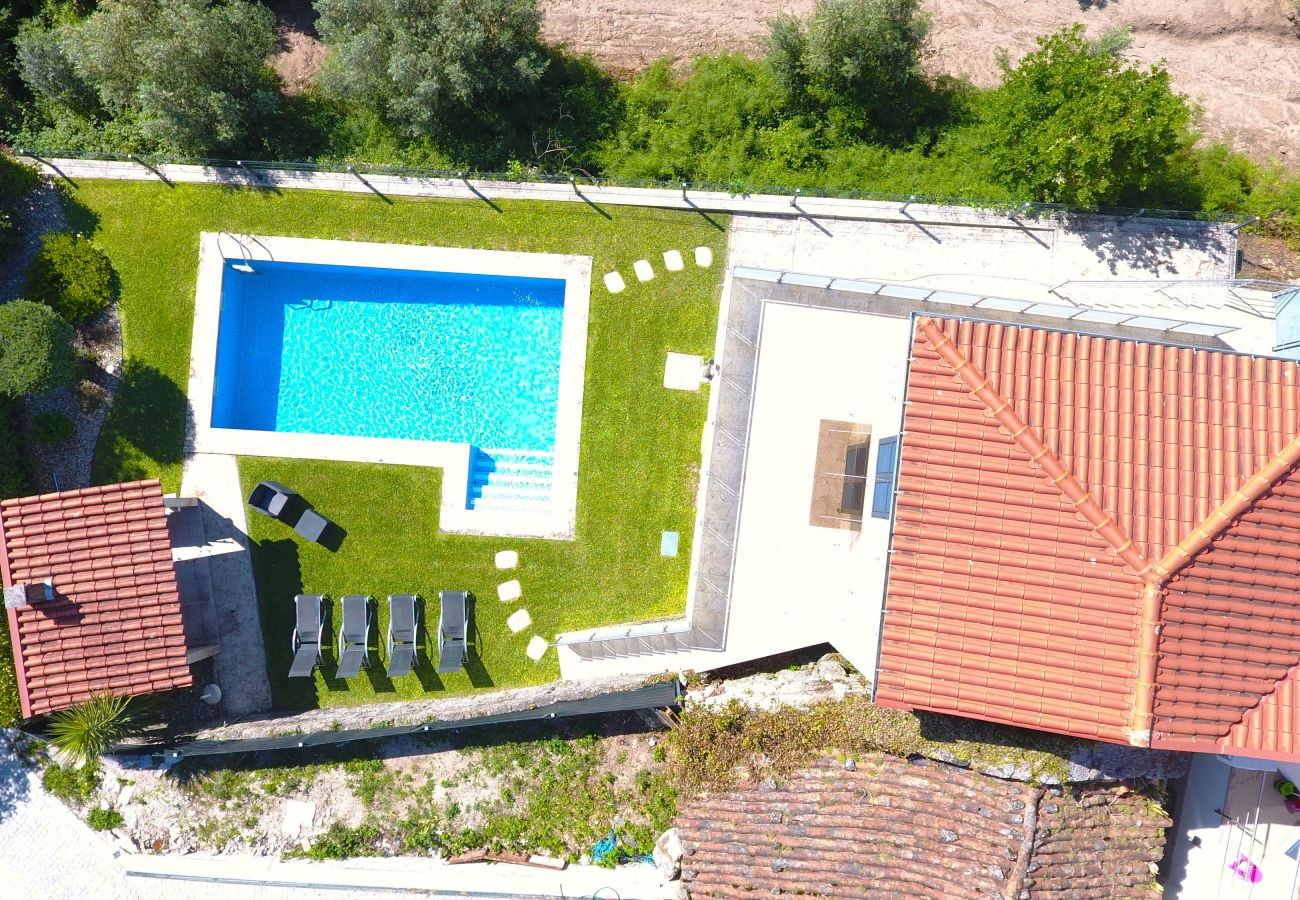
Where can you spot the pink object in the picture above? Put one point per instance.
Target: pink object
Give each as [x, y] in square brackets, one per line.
[1244, 868]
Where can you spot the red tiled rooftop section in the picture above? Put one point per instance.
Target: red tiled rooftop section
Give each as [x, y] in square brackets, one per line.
[1230, 638]
[894, 828]
[1007, 602]
[115, 623]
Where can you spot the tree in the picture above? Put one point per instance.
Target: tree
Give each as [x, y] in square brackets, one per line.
[35, 349]
[421, 61]
[189, 76]
[1073, 124]
[858, 61]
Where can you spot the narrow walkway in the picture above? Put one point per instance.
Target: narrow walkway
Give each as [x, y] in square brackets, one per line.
[241, 665]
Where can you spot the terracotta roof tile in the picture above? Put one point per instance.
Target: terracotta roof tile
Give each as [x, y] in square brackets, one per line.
[115, 622]
[897, 828]
[1048, 482]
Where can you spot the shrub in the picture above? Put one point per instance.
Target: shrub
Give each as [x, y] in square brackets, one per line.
[1072, 123]
[51, 427]
[71, 276]
[35, 349]
[92, 727]
[100, 819]
[76, 784]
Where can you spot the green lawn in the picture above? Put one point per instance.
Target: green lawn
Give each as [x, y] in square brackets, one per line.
[640, 442]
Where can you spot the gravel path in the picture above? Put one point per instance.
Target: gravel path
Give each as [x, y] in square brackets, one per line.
[66, 465]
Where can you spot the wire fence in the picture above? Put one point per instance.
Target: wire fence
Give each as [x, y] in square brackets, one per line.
[735, 189]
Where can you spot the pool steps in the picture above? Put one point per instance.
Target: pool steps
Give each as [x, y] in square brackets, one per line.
[510, 480]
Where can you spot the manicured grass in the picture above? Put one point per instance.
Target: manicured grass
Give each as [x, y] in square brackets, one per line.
[640, 442]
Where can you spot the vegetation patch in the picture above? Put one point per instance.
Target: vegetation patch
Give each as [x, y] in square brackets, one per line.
[75, 785]
[716, 749]
[71, 276]
[100, 819]
[35, 349]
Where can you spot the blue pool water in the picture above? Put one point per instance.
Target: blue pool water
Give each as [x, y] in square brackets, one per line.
[390, 353]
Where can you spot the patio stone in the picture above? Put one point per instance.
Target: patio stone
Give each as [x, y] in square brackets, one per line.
[537, 647]
[643, 269]
[519, 620]
[507, 559]
[704, 257]
[509, 591]
[673, 261]
[683, 372]
[614, 282]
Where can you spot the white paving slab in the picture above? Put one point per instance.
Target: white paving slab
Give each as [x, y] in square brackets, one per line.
[683, 371]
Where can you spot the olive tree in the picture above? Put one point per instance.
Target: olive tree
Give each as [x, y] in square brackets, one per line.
[188, 75]
[419, 61]
[859, 60]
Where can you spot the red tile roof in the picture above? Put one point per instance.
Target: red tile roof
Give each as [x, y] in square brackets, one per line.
[115, 623]
[893, 828]
[1053, 489]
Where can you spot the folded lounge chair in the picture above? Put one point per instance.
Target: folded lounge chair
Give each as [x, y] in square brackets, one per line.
[308, 631]
[451, 631]
[354, 636]
[400, 642]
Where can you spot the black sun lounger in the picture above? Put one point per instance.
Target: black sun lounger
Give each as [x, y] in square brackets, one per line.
[451, 631]
[354, 636]
[308, 630]
[400, 642]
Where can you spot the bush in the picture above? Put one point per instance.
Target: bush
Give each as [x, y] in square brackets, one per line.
[35, 349]
[13, 471]
[51, 427]
[73, 784]
[100, 819]
[92, 727]
[71, 276]
[11, 711]
[1072, 123]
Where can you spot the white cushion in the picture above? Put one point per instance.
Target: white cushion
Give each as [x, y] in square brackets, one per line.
[703, 256]
[509, 591]
[614, 282]
[673, 261]
[519, 620]
[643, 270]
[537, 647]
[507, 559]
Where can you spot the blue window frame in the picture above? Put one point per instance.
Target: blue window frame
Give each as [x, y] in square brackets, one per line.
[886, 467]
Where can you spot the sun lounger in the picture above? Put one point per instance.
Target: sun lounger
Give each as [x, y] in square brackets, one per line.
[451, 631]
[354, 636]
[400, 642]
[308, 630]
[271, 498]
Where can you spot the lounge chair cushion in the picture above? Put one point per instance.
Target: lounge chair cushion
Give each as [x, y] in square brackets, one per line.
[304, 660]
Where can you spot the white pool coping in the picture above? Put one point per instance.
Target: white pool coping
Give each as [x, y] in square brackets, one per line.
[558, 518]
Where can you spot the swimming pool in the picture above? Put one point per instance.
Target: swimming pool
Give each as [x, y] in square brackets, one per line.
[472, 361]
[389, 353]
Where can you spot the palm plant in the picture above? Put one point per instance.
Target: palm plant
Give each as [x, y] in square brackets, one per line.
[92, 727]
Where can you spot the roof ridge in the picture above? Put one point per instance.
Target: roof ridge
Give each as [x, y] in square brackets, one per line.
[979, 384]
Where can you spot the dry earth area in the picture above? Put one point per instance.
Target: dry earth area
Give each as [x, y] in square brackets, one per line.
[1240, 59]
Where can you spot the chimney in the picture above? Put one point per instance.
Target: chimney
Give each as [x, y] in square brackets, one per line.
[27, 594]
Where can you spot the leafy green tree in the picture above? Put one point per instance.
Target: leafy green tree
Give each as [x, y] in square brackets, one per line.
[72, 276]
[185, 75]
[856, 61]
[35, 348]
[420, 61]
[1073, 124]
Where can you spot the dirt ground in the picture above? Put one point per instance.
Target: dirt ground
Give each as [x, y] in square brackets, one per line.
[1240, 59]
